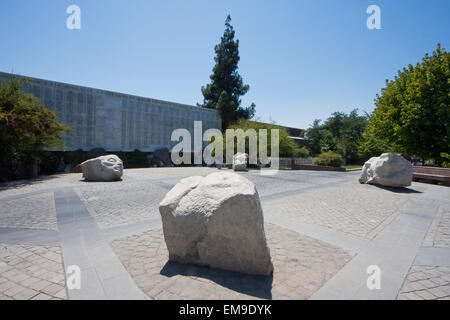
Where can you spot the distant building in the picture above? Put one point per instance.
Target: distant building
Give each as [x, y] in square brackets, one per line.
[115, 121]
[296, 134]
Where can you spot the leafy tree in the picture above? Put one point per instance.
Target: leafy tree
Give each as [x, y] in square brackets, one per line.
[301, 152]
[328, 142]
[25, 128]
[348, 130]
[226, 87]
[446, 161]
[412, 114]
[341, 133]
[287, 147]
[371, 146]
[314, 135]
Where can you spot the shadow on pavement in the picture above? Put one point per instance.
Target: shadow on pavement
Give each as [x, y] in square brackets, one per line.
[253, 285]
[84, 180]
[16, 184]
[397, 190]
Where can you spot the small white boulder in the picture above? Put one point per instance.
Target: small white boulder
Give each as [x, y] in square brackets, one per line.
[216, 221]
[240, 161]
[389, 169]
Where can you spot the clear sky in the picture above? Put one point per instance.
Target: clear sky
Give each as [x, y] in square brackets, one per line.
[303, 60]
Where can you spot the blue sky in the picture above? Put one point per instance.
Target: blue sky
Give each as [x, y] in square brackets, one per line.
[303, 60]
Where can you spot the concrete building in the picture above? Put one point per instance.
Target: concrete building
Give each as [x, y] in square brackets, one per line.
[116, 121]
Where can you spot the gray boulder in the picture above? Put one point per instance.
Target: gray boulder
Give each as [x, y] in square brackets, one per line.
[104, 168]
[389, 169]
[240, 161]
[216, 221]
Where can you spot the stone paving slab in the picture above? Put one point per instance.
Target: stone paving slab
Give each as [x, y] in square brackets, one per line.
[392, 251]
[349, 243]
[114, 205]
[439, 233]
[350, 208]
[48, 183]
[429, 256]
[44, 183]
[31, 272]
[83, 245]
[315, 210]
[34, 212]
[301, 266]
[426, 283]
[29, 236]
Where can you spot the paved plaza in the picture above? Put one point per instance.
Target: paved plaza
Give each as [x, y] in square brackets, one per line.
[324, 230]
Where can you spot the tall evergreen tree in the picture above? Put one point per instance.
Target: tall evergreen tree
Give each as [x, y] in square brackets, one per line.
[226, 87]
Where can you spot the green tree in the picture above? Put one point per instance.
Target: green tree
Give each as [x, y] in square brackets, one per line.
[287, 147]
[328, 142]
[25, 128]
[412, 114]
[348, 130]
[371, 146]
[340, 133]
[302, 152]
[314, 135]
[226, 87]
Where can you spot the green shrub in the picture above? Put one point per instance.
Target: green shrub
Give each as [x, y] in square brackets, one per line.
[50, 161]
[446, 161]
[135, 159]
[301, 152]
[75, 157]
[329, 158]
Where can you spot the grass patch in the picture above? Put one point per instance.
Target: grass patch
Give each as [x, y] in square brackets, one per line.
[352, 166]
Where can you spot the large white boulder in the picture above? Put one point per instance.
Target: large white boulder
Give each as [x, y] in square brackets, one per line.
[216, 221]
[240, 161]
[104, 168]
[389, 169]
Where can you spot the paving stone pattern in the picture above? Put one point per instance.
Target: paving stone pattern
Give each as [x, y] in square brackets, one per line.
[301, 266]
[354, 209]
[426, 283]
[113, 205]
[34, 212]
[439, 233]
[31, 272]
[329, 211]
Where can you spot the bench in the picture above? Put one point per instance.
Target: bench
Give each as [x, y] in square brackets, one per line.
[432, 174]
